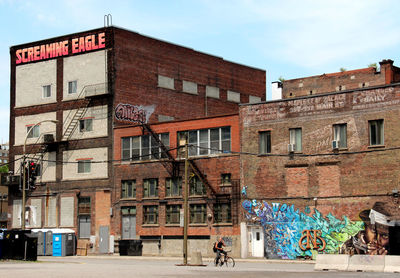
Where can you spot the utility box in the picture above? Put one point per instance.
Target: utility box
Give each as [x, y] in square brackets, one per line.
[63, 244]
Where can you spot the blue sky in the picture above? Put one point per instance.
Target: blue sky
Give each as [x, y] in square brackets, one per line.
[288, 38]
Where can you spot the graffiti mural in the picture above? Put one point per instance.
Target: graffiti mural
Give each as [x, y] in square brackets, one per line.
[290, 233]
[133, 113]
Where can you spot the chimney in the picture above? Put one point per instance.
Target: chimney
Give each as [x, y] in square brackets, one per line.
[387, 70]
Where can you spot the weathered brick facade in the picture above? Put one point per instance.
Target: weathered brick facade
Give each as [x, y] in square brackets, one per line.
[341, 81]
[131, 79]
[325, 186]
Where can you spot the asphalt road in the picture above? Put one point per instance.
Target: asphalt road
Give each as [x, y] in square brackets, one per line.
[132, 267]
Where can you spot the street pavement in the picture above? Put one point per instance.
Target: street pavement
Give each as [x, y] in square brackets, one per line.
[115, 266]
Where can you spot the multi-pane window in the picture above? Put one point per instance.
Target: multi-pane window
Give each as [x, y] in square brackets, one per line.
[128, 189]
[84, 205]
[84, 166]
[128, 210]
[206, 141]
[72, 87]
[226, 179]
[196, 186]
[46, 91]
[340, 135]
[264, 142]
[85, 125]
[198, 213]
[173, 214]
[173, 186]
[32, 131]
[150, 214]
[295, 139]
[150, 188]
[222, 213]
[144, 147]
[376, 136]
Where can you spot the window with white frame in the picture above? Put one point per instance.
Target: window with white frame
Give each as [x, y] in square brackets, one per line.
[46, 91]
[340, 135]
[206, 141]
[86, 125]
[84, 166]
[264, 142]
[150, 188]
[173, 186]
[33, 131]
[72, 87]
[144, 147]
[150, 214]
[295, 139]
[376, 134]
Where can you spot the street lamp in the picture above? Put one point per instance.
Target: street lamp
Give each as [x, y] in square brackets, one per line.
[23, 169]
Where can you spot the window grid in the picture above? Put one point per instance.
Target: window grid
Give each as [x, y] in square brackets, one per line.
[150, 214]
[128, 189]
[196, 187]
[173, 214]
[150, 188]
[198, 213]
[222, 213]
[144, 147]
[173, 186]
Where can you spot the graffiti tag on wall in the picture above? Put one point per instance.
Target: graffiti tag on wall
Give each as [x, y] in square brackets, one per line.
[133, 113]
[312, 240]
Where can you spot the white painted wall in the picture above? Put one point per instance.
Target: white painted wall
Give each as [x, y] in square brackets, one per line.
[30, 80]
[22, 122]
[98, 114]
[276, 91]
[86, 69]
[98, 170]
[47, 162]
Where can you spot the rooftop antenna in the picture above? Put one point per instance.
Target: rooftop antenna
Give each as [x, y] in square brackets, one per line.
[107, 20]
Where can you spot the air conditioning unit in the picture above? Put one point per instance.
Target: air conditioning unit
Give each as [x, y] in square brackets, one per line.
[290, 148]
[48, 138]
[335, 144]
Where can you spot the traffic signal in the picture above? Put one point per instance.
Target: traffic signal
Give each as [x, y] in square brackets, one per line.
[32, 173]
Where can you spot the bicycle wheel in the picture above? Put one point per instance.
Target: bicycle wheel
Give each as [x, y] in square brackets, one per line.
[230, 262]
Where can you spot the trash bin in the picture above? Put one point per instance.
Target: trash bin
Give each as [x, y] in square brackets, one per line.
[130, 247]
[31, 244]
[19, 245]
[1, 243]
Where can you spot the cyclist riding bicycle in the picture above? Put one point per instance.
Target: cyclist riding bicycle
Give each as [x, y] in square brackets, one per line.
[219, 249]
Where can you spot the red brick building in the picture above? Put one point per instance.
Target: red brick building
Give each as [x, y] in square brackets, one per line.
[149, 184]
[69, 93]
[341, 81]
[322, 167]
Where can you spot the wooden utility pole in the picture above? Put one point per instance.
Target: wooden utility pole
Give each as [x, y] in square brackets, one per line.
[185, 207]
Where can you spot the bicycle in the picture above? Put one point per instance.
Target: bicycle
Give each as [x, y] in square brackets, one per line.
[229, 261]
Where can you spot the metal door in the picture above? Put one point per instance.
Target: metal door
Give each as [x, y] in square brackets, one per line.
[84, 226]
[104, 239]
[41, 243]
[128, 227]
[257, 242]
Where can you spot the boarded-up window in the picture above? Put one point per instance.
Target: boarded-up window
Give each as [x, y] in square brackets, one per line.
[51, 212]
[16, 220]
[35, 213]
[329, 180]
[297, 181]
[67, 212]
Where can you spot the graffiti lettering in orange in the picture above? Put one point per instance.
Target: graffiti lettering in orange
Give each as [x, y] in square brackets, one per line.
[311, 240]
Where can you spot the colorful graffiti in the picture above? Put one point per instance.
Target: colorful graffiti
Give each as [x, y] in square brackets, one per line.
[284, 225]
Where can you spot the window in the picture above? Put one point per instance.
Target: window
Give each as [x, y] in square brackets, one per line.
[84, 166]
[295, 139]
[206, 141]
[32, 131]
[198, 213]
[173, 186]
[85, 125]
[226, 179]
[222, 213]
[128, 189]
[46, 91]
[340, 135]
[264, 142]
[376, 136]
[84, 205]
[144, 147]
[72, 87]
[173, 214]
[150, 188]
[196, 186]
[150, 214]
